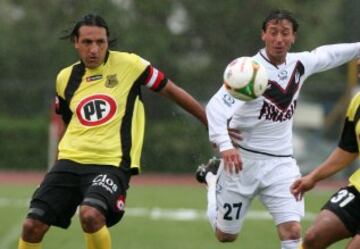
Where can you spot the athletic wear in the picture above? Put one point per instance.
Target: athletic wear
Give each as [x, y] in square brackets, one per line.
[266, 122]
[104, 110]
[70, 184]
[266, 176]
[345, 203]
[266, 147]
[211, 166]
[350, 139]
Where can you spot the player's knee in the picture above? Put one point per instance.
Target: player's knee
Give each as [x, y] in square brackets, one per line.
[295, 232]
[225, 237]
[310, 240]
[91, 219]
[290, 231]
[33, 231]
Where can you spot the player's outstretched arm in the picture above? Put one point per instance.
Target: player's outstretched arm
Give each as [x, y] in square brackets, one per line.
[337, 160]
[185, 100]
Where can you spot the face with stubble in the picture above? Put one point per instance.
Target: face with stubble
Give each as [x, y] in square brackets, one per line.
[92, 45]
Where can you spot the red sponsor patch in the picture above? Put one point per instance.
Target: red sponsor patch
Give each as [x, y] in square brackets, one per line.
[120, 204]
[96, 109]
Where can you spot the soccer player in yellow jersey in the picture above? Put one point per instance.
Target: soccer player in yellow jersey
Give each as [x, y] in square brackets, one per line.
[100, 102]
[340, 217]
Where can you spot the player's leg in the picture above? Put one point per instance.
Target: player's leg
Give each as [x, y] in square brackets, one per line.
[326, 230]
[234, 193]
[279, 174]
[338, 220]
[290, 234]
[354, 242]
[32, 234]
[102, 207]
[51, 204]
[207, 173]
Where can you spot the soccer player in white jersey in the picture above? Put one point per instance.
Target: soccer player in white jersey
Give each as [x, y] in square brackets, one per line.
[262, 163]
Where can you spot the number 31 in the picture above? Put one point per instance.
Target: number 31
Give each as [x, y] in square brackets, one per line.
[344, 196]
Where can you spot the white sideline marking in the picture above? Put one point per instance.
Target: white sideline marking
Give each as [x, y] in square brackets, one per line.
[183, 214]
[156, 213]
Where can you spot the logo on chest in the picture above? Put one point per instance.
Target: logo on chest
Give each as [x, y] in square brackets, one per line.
[111, 81]
[96, 109]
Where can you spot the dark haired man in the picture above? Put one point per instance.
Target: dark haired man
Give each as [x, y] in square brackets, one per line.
[340, 217]
[100, 102]
[262, 162]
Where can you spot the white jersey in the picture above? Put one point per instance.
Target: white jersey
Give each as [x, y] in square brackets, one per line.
[266, 122]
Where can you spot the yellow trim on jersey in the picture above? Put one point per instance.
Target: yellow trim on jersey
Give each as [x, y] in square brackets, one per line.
[108, 121]
[355, 179]
[353, 107]
[351, 115]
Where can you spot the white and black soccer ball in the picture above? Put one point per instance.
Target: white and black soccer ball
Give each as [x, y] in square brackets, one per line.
[245, 78]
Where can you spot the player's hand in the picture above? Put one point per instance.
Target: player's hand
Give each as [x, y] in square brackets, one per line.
[232, 160]
[358, 67]
[302, 185]
[235, 135]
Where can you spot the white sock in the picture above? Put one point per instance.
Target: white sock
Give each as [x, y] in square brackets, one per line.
[211, 198]
[290, 244]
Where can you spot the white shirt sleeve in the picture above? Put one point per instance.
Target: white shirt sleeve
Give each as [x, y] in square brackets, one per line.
[219, 111]
[330, 56]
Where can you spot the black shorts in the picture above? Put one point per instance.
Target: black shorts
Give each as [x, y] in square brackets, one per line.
[345, 203]
[68, 185]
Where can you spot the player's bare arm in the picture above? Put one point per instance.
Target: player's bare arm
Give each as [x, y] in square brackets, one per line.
[337, 160]
[185, 100]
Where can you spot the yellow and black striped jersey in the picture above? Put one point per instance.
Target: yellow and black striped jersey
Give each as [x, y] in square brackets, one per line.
[103, 110]
[350, 138]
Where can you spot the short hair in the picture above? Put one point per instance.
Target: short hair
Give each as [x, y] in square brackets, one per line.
[88, 20]
[279, 15]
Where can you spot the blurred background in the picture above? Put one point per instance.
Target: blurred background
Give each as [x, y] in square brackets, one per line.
[192, 42]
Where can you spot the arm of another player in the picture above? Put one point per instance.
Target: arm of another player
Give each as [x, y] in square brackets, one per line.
[219, 111]
[185, 100]
[337, 160]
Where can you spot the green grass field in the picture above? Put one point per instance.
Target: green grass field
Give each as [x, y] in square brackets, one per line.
[158, 217]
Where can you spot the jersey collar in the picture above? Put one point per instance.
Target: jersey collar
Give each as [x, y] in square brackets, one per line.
[263, 54]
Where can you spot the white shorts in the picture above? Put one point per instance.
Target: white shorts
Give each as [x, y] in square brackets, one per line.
[266, 176]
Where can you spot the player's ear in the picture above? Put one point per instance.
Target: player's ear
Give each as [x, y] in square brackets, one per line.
[263, 35]
[76, 42]
[294, 38]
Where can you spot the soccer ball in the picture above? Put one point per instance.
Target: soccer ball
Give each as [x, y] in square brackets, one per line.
[245, 78]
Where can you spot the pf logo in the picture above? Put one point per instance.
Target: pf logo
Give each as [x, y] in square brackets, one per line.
[96, 109]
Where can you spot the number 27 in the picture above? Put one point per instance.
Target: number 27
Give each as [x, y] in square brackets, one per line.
[229, 209]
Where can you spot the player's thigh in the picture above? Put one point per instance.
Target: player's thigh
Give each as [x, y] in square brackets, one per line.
[56, 199]
[345, 206]
[276, 195]
[354, 242]
[326, 229]
[232, 205]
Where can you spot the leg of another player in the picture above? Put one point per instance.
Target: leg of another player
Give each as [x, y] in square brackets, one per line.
[225, 237]
[289, 234]
[354, 243]
[212, 210]
[211, 199]
[32, 234]
[326, 230]
[93, 223]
